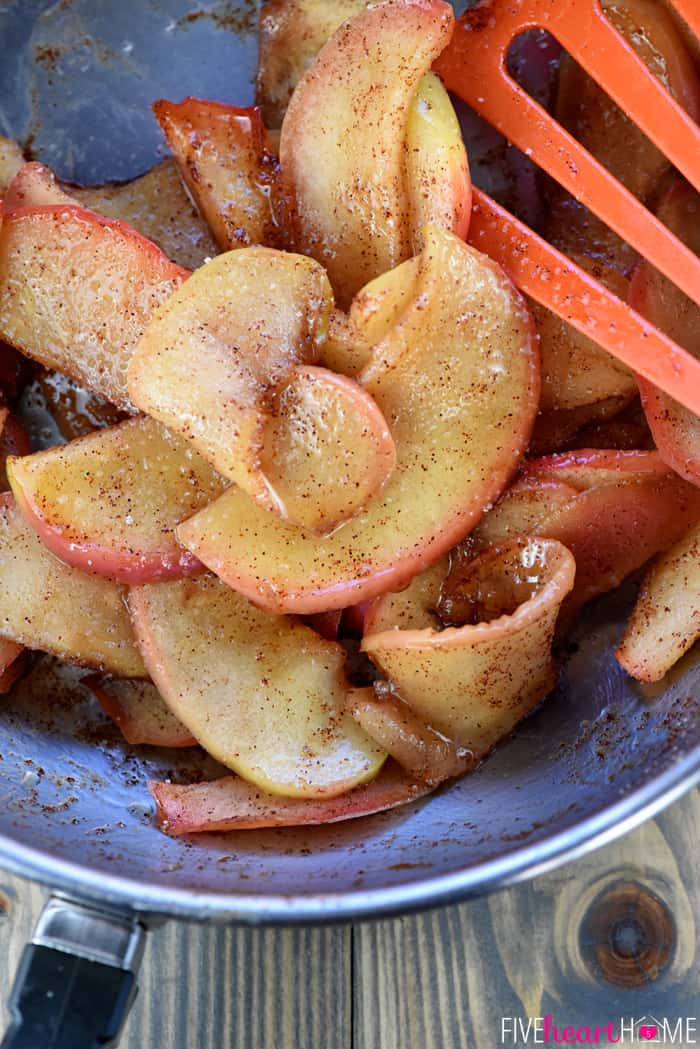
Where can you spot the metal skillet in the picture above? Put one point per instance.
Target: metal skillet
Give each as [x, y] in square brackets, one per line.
[76, 81]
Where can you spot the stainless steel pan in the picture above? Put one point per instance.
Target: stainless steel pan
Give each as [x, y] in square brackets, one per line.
[76, 80]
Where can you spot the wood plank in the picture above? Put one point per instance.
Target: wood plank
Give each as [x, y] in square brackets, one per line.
[217, 988]
[445, 980]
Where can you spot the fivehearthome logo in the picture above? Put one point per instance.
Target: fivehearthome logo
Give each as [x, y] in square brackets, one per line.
[644, 1030]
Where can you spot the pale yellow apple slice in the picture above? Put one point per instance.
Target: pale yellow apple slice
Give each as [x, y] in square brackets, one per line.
[138, 709]
[44, 604]
[437, 170]
[210, 360]
[460, 396]
[11, 160]
[262, 694]
[328, 451]
[230, 803]
[292, 32]
[108, 503]
[343, 143]
[665, 622]
[424, 753]
[473, 683]
[223, 155]
[77, 290]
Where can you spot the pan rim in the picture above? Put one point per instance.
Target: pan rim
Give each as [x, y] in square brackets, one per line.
[150, 901]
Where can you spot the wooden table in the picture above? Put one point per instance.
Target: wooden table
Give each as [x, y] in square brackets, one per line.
[615, 934]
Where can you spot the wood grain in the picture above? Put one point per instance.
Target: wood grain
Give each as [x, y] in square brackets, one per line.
[441, 980]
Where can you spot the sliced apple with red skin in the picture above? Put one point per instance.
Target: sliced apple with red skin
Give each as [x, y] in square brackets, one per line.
[665, 622]
[262, 694]
[224, 158]
[34, 186]
[108, 503]
[473, 683]
[292, 32]
[352, 211]
[626, 507]
[139, 711]
[230, 803]
[208, 371]
[13, 664]
[676, 430]
[425, 754]
[328, 451]
[44, 604]
[437, 169]
[557, 430]
[77, 290]
[458, 440]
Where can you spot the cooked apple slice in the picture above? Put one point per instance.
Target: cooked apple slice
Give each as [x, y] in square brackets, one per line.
[558, 430]
[34, 186]
[11, 160]
[210, 360]
[474, 682]
[327, 451]
[225, 162]
[665, 621]
[263, 694]
[626, 507]
[458, 440]
[292, 32]
[108, 502]
[13, 664]
[45, 604]
[139, 711]
[424, 753]
[231, 803]
[77, 290]
[343, 143]
[157, 205]
[437, 170]
[675, 429]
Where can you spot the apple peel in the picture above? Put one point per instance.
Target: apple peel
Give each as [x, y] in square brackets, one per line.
[140, 712]
[230, 803]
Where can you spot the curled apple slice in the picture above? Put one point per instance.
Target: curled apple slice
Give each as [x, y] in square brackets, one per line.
[292, 32]
[224, 159]
[675, 429]
[45, 604]
[139, 711]
[327, 451]
[108, 503]
[263, 694]
[210, 360]
[460, 396]
[230, 803]
[665, 621]
[613, 510]
[474, 682]
[425, 754]
[77, 290]
[343, 143]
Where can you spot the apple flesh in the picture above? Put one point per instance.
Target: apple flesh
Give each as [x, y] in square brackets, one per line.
[46, 605]
[207, 371]
[665, 622]
[77, 290]
[139, 711]
[420, 750]
[327, 452]
[343, 142]
[13, 441]
[224, 159]
[13, 663]
[262, 694]
[231, 803]
[108, 503]
[457, 444]
[474, 682]
[11, 160]
[292, 32]
[675, 429]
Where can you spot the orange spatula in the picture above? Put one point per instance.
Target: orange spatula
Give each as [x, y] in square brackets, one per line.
[474, 68]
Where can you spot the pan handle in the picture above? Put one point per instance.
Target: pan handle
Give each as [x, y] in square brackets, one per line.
[76, 979]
